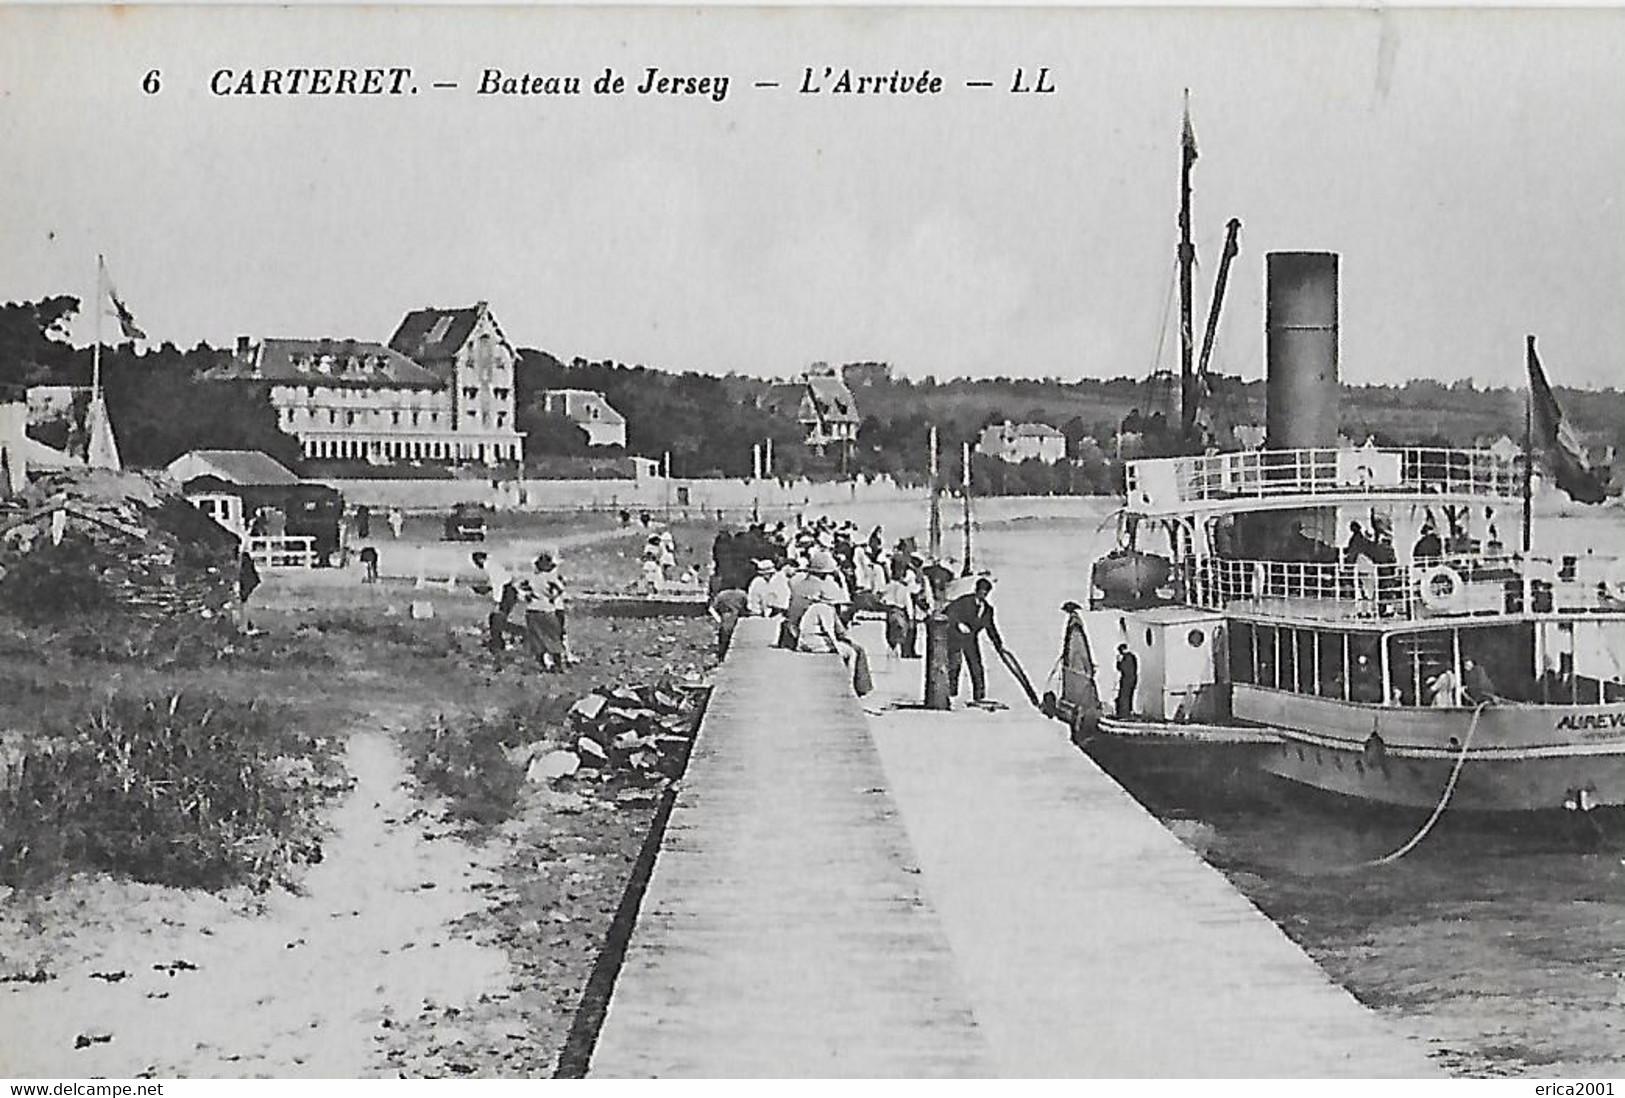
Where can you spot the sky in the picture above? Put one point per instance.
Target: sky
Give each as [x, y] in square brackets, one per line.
[1466, 165]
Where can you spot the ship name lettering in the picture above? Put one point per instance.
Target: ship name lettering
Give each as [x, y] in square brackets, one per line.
[1591, 722]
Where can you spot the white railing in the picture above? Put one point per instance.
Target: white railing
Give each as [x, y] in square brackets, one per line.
[1160, 484]
[1458, 586]
[282, 552]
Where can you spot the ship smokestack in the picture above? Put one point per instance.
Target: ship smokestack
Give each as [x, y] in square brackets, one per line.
[1300, 334]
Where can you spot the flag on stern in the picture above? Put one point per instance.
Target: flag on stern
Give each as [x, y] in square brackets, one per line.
[1562, 452]
[119, 310]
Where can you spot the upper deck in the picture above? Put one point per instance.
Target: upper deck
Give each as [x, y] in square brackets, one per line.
[1252, 480]
[1396, 596]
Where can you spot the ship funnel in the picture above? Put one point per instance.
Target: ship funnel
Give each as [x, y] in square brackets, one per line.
[1300, 334]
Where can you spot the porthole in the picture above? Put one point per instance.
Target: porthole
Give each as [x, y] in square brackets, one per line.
[1196, 637]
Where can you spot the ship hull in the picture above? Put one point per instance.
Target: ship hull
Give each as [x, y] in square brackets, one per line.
[1490, 781]
[1513, 758]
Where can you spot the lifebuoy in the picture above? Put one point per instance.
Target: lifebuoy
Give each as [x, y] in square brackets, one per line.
[1441, 588]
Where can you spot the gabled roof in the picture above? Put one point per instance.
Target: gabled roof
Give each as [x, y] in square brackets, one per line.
[831, 400]
[574, 397]
[245, 467]
[327, 361]
[435, 335]
[1037, 430]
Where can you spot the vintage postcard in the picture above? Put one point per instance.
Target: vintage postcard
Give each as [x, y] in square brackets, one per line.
[807, 542]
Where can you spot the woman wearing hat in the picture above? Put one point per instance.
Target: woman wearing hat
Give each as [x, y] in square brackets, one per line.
[822, 577]
[822, 630]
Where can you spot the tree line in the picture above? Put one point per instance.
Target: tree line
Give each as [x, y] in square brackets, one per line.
[708, 423]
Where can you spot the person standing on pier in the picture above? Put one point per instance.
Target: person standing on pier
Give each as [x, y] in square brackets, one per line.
[969, 616]
[1128, 681]
[727, 607]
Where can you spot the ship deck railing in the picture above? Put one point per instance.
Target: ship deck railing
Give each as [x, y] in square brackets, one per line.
[1278, 477]
[1447, 587]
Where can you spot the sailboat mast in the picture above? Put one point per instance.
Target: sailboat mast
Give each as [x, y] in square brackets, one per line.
[1187, 262]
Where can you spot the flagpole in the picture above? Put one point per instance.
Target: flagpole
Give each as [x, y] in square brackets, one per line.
[1529, 456]
[96, 355]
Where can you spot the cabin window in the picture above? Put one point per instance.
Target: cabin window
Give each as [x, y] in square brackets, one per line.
[1287, 656]
[1331, 663]
[1242, 663]
[1266, 654]
[1307, 663]
[1365, 668]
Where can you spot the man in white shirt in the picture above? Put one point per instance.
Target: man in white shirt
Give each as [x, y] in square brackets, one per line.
[756, 595]
[497, 621]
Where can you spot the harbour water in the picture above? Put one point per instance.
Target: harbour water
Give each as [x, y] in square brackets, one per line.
[1504, 953]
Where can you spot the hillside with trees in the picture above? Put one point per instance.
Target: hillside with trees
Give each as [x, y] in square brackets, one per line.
[161, 408]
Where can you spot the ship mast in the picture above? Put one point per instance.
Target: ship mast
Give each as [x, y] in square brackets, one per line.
[1187, 261]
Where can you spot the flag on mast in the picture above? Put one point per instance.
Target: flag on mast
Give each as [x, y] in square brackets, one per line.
[1561, 449]
[1188, 135]
[118, 310]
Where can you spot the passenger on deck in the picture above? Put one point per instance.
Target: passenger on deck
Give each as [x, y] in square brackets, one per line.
[1443, 690]
[1476, 685]
[1428, 546]
[1128, 680]
[1361, 552]
[1365, 685]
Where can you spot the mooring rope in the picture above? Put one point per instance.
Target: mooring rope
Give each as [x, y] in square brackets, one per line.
[1438, 809]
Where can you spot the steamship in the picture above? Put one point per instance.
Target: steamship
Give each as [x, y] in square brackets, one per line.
[1356, 621]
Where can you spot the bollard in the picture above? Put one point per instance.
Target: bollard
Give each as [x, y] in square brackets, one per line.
[936, 662]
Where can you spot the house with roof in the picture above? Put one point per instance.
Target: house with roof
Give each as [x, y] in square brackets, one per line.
[1018, 442]
[827, 411]
[440, 390]
[466, 348]
[588, 409]
[249, 491]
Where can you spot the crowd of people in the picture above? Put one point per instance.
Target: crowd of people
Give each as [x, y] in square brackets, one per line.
[814, 576]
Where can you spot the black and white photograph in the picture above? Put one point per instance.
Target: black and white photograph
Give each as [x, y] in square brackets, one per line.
[812, 542]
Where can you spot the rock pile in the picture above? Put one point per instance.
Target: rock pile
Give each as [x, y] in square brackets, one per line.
[122, 550]
[645, 729]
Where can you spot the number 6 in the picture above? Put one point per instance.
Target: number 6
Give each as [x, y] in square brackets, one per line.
[151, 83]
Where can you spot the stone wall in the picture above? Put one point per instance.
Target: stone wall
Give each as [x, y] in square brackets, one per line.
[655, 493]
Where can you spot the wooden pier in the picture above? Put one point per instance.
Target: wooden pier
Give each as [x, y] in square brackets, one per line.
[906, 893]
